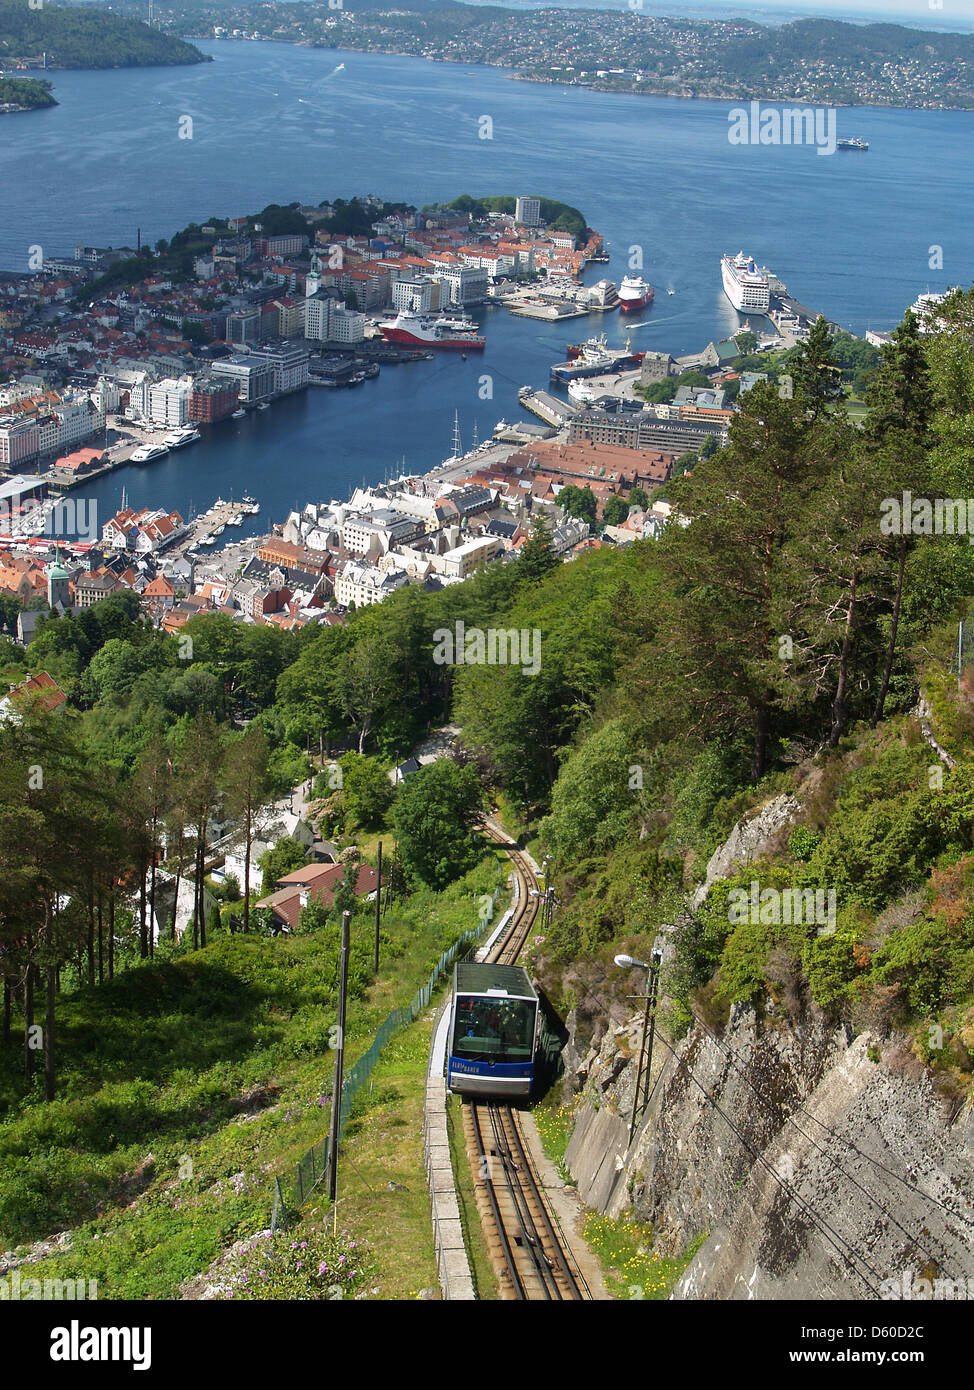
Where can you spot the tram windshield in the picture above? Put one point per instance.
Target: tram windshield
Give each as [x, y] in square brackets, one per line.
[501, 1030]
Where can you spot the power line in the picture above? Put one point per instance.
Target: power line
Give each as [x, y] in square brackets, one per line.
[790, 1119]
[832, 1236]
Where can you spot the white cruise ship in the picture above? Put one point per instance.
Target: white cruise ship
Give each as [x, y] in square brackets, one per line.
[747, 288]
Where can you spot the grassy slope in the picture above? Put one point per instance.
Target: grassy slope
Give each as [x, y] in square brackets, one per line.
[150, 1154]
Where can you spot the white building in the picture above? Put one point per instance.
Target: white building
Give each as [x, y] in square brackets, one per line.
[364, 584]
[19, 441]
[527, 211]
[464, 559]
[289, 363]
[326, 320]
[381, 531]
[467, 284]
[415, 293]
[168, 401]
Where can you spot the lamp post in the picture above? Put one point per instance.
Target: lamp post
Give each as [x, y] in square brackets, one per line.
[649, 1024]
[336, 1097]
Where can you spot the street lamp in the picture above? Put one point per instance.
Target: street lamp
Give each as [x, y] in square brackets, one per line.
[649, 1024]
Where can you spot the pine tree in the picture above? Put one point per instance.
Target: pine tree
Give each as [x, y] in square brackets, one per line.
[900, 396]
[901, 409]
[815, 373]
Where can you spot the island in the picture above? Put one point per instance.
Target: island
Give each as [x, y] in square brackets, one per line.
[24, 94]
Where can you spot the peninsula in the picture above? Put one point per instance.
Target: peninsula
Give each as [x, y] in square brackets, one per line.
[817, 61]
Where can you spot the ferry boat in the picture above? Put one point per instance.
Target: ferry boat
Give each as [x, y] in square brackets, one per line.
[180, 438]
[852, 144]
[433, 331]
[634, 293]
[148, 453]
[747, 288]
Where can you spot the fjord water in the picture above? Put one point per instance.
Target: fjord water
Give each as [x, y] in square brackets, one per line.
[851, 234]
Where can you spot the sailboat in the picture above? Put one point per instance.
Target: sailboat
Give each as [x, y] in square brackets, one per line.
[457, 454]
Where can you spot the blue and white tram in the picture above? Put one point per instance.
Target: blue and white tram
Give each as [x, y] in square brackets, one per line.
[493, 1031]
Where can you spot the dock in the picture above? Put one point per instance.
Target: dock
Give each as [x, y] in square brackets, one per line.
[550, 313]
[546, 406]
[522, 433]
[206, 529]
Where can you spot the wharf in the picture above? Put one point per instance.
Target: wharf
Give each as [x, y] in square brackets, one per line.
[386, 354]
[551, 313]
[60, 480]
[522, 432]
[547, 407]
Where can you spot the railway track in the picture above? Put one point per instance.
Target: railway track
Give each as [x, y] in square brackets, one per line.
[530, 1256]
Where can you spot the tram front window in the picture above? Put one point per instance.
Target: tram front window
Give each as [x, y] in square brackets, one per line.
[495, 1030]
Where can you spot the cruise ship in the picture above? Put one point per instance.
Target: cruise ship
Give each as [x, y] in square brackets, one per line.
[634, 293]
[180, 438]
[148, 453]
[433, 331]
[747, 288]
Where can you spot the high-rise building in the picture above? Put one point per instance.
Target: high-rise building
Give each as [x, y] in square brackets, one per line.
[527, 211]
[289, 362]
[212, 399]
[168, 401]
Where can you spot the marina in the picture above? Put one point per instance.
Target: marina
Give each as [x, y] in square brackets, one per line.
[205, 530]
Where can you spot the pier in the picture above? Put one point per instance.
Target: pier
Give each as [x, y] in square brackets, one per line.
[546, 406]
[206, 529]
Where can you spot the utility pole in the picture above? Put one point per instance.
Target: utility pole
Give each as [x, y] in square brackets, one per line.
[336, 1098]
[960, 651]
[378, 903]
[649, 1027]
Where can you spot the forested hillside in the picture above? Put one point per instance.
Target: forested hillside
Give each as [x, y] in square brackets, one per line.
[83, 37]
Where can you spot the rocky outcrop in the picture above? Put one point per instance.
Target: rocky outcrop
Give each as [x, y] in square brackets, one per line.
[816, 1166]
[811, 1164]
[749, 840]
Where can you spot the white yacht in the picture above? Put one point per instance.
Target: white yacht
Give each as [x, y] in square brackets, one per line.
[148, 453]
[180, 438]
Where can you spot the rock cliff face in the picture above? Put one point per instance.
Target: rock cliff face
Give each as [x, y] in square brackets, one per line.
[814, 1170]
[816, 1165]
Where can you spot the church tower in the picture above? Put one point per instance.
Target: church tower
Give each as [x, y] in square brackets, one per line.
[58, 583]
[312, 283]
